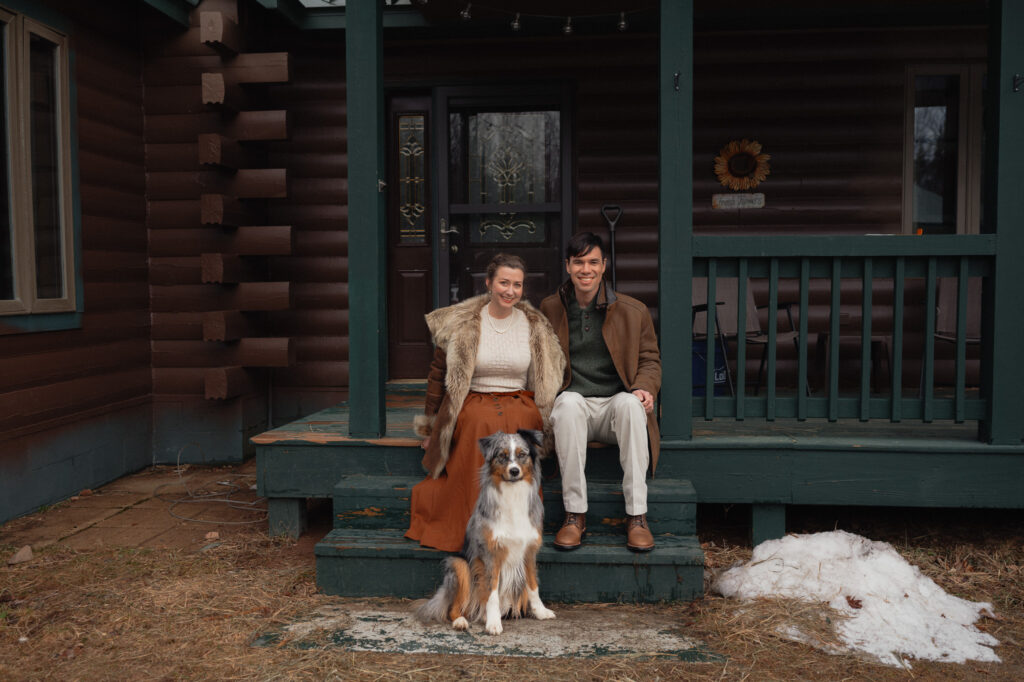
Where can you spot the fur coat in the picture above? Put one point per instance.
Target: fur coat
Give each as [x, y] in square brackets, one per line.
[456, 334]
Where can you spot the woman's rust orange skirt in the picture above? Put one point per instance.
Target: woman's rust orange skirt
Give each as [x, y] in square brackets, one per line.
[441, 506]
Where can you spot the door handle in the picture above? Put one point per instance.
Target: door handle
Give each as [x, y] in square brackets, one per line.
[444, 228]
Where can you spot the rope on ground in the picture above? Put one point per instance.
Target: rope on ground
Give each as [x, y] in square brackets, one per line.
[232, 484]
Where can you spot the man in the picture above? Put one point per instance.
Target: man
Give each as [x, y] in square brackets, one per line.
[613, 373]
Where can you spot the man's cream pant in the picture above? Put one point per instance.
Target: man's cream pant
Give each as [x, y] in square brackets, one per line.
[617, 419]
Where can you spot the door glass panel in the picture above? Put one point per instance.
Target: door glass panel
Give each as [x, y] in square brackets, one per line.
[45, 169]
[508, 157]
[504, 189]
[412, 179]
[500, 228]
[936, 148]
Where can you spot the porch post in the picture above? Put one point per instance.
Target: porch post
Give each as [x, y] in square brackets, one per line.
[367, 230]
[675, 215]
[1002, 371]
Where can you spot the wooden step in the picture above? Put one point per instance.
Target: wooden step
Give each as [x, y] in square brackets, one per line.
[380, 502]
[367, 562]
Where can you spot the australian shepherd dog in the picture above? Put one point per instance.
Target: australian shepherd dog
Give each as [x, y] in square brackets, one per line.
[496, 574]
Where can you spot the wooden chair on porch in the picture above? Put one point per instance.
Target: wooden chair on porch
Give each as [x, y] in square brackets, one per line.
[945, 310]
[726, 314]
[946, 313]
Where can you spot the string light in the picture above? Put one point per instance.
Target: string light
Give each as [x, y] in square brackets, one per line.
[516, 23]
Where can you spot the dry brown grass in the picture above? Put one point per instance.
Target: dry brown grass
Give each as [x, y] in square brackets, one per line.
[149, 614]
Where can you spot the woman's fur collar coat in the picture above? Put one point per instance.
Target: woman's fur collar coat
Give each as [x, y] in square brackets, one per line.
[456, 334]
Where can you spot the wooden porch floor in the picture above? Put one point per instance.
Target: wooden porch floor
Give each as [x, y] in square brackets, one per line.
[767, 464]
[405, 400]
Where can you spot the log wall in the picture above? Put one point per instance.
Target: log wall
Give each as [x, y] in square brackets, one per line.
[74, 404]
[827, 106]
[54, 376]
[209, 187]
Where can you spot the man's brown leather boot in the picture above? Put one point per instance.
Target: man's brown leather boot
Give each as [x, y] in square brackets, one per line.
[638, 535]
[570, 535]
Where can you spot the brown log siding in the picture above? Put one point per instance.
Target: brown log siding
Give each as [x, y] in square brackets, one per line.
[50, 378]
[827, 106]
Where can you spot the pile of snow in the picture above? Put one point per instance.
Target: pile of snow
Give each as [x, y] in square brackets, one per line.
[892, 608]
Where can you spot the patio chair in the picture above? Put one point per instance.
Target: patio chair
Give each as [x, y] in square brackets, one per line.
[945, 310]
[726, 294]
[946, 313]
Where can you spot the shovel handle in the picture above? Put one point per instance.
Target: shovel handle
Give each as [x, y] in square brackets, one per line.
[611, 213]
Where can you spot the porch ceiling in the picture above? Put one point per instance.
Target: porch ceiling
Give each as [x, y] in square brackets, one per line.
[547, 17]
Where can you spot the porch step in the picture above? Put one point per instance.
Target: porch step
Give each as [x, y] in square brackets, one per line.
[382, 502]
[355, 562]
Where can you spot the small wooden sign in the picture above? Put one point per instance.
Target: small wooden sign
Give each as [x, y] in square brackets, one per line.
[733, 201]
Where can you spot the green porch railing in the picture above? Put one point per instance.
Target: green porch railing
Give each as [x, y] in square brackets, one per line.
[930, 293]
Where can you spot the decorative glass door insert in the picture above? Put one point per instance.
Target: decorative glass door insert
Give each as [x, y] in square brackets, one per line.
[505, 190]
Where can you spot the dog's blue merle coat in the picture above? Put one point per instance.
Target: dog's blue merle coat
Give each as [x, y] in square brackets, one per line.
[505, 528]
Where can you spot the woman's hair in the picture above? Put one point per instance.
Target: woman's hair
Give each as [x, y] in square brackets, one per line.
[505, 260]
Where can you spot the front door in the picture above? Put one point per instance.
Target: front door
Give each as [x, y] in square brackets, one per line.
[502, 183]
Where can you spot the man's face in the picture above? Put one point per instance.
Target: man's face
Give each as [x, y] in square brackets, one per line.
[586, 271]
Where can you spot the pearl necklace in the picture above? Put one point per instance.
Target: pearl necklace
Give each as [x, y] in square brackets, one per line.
[490, 321]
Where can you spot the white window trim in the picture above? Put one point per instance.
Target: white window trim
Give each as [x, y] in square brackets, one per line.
[969, 144]
[17, 104]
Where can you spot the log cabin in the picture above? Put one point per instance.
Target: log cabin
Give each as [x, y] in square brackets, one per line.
[225, 220]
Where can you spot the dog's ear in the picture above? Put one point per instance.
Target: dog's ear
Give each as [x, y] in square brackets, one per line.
[487, 443]
[534, 440]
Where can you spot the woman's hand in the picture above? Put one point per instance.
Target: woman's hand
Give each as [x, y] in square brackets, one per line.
[426, 443]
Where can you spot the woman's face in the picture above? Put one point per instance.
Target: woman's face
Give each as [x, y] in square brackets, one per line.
[506, 287]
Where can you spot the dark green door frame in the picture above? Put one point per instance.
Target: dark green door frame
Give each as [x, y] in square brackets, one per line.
[1002, 373]
[675, 214]
[367, 226]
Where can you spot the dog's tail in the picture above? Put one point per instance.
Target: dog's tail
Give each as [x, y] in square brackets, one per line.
[454, 588]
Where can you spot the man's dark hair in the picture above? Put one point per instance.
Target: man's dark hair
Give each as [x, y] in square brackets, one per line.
[582, 243]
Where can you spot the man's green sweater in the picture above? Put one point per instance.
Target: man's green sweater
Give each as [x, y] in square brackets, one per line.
[593, 372]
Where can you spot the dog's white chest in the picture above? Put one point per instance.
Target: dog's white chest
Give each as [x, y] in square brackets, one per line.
[512, 526]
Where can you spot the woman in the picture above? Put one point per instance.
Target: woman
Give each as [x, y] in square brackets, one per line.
[497, 367]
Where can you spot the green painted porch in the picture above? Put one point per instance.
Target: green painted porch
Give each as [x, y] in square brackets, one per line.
[768, 465]
[369, 482]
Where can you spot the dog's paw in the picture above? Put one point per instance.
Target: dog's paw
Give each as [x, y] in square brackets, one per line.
[460, 623]
[543, 613]
[493, 627]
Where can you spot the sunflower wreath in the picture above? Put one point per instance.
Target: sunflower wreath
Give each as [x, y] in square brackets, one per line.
[741, 165]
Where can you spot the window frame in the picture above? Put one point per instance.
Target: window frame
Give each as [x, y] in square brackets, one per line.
[970, 133]
[40, 313]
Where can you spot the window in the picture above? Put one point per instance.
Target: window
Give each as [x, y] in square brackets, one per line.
[37, 259]
[943, 150]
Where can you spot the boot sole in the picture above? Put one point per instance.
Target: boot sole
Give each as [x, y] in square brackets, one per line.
[569, 548]
[639, 549]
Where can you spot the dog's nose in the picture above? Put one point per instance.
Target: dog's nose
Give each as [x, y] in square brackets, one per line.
[514, 471]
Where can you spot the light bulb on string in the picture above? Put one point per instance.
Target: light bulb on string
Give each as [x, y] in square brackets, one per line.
[515, 23]
[567, 29]
[622, 21]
